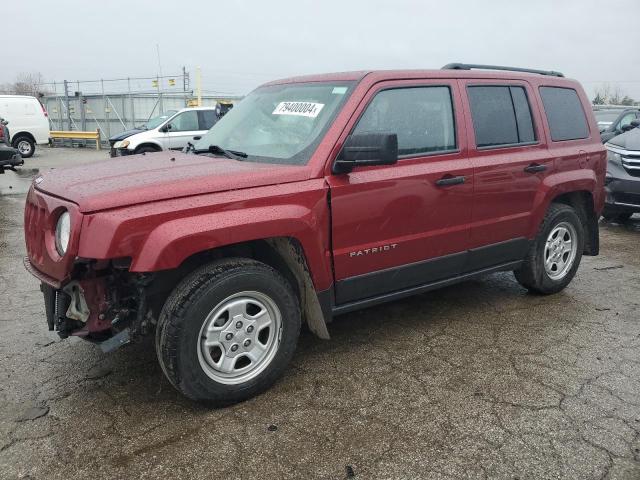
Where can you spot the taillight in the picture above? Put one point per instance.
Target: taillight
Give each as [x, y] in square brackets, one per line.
[43, 109]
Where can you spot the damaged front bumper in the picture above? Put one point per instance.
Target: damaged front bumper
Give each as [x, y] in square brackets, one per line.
[108, 308]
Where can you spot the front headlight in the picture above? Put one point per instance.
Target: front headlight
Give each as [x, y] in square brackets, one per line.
[63, 233]
[121, 144]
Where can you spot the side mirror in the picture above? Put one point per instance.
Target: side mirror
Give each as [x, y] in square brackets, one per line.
[166, 128]
[367, 149]
[628, 126]
[635, 123]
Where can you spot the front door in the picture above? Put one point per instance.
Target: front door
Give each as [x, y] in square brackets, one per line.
[182, 128]
[399, 226]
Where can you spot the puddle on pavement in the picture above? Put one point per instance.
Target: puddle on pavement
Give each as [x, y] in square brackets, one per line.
[18, 182]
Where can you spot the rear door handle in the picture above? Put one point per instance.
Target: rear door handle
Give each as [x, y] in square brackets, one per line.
[449, 180]
[535, 168]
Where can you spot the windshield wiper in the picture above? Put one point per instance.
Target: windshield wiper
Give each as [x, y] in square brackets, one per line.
[218, 150]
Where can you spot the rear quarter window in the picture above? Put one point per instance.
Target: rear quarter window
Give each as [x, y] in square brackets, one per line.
[564, 112]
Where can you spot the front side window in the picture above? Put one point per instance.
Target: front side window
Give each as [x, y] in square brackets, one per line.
[564, 113]
[278, 123]
[422, 117]
[501, 115]
[185, 122]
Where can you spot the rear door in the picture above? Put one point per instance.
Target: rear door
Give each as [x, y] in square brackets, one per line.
[207, 119]
[510, 161]
[398, 226]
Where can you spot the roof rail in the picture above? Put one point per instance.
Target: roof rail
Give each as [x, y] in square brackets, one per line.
[469, 66]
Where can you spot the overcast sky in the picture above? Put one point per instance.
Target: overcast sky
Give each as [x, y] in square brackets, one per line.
[240, 44]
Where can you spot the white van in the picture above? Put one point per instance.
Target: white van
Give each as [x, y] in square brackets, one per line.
[28, 122]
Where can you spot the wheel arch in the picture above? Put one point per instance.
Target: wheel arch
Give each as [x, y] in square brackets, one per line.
[284, 254]
[148, 143]
[583, 203]
[575, 188]
[29, 135]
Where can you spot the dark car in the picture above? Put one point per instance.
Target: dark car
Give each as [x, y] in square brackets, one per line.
[622, 183]
[613, 122]
[9, 157]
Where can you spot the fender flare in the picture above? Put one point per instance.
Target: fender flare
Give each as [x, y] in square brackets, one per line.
[558, 184]
[172, 242]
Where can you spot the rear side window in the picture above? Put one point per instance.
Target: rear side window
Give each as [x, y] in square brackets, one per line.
[501, 115]
[422, 117]
[564, 113]
[208, 118]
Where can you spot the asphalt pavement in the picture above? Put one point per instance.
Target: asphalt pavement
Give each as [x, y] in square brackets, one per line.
[479, 380]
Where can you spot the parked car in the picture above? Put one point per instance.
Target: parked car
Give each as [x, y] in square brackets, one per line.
[622, 183]
[612, 122]
[312, 197]
[5, 136]
[149, 125]
[9, 157]
[171, 131]
[29, 122]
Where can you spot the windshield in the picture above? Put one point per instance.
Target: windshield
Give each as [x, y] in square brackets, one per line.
[156, 121]
[278, 123]
[605, 117]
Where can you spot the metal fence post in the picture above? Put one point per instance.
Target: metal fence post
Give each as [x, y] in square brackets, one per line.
[133, 111]
[66, 102]
[105, 110]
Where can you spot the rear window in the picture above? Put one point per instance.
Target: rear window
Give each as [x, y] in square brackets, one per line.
[564, 113]
[501, 115]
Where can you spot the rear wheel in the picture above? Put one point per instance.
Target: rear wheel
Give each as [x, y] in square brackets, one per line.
[25, 145]
[555, 254]
[228, 331]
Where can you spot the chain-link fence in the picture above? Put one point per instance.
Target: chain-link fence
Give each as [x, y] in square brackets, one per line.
[115, 105]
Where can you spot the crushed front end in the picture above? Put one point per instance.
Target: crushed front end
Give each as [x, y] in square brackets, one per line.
[98, 300]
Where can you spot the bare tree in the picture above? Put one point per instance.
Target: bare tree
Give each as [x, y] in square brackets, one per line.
[605, 95]
[26, 83]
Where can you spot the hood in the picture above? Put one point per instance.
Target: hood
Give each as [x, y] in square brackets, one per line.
[628, 141]
[125, 134]
[134, 179]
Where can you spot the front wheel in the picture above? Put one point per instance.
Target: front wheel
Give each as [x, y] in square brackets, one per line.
[24, 145]
[555, 253]
[228, 331]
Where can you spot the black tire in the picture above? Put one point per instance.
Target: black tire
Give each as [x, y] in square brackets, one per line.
[25, 145]
[617, 217]
[532, 274]
[184, 315]
[147, 150]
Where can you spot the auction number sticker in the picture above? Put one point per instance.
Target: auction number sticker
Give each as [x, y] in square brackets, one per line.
[303, 109]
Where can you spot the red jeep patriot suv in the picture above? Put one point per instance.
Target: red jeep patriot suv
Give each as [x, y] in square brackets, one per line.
[313, 197]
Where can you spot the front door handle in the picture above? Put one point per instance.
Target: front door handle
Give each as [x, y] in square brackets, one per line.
[535, 168]
[449, 180]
